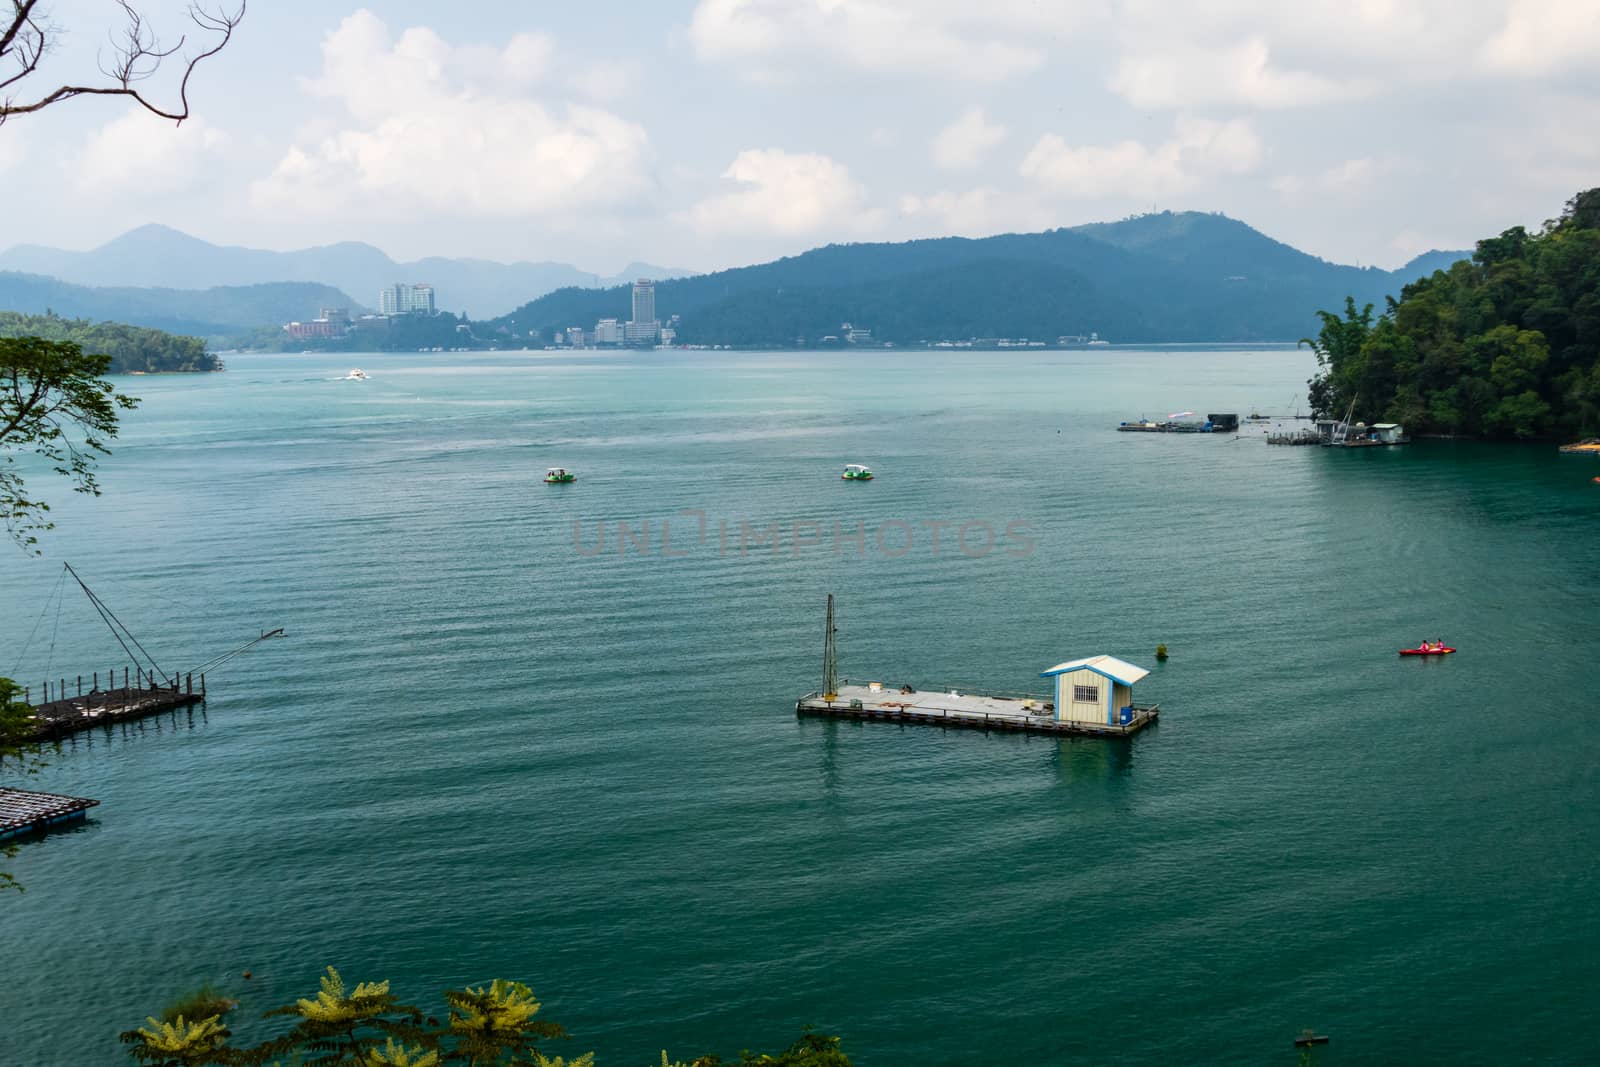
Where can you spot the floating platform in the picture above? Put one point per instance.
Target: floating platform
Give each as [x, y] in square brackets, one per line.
[101, 707]
[974, 709]
[24, 812]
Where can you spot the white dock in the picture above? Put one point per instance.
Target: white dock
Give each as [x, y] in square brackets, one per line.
[975, 709]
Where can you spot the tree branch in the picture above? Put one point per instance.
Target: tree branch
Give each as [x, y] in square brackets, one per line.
[137, 54]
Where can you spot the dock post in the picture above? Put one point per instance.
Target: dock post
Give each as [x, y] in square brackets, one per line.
[80, 685]
[124, 677]
[188, 683]
[96, 688]
[61, 690]
[202, 684]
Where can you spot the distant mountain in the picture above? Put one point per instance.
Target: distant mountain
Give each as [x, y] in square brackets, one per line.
[160, 256]
[1428, 262]
[218, 312]
[1168, 277]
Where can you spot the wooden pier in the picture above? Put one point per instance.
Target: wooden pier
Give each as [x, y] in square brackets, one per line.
[965, 709]
[24, 812]
[979, 709]
[63, 715]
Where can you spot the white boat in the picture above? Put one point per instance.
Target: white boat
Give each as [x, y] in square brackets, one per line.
[357, 375]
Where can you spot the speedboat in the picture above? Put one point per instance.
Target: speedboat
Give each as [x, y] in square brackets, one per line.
[357, 375]
[559, 475]
[1427, 650]
[855, 472]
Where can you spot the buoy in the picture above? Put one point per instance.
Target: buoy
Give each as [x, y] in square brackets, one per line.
[247, 974]
[1161, 652]
[1308, 1038]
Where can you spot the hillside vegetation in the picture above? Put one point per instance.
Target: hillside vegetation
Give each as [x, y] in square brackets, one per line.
[1506, 344]
[131, 348]
[217, 313]
[1155, 278]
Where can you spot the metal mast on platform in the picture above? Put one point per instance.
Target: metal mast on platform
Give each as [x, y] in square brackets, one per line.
[830, 661]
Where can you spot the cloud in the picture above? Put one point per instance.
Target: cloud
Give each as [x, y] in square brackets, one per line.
[140, 154]
[1542, 37]
[452, 130]
[1199, 148]
[1353, 176]
[784, 193]
[602, 79]
[974, 212]
[963, 144]
[1189, 76]
[935, 38]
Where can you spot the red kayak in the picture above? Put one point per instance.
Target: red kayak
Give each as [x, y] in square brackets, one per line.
[1426, 651]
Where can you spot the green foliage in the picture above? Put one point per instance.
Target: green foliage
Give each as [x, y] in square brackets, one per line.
[179, 1043]
[811, 1050]
[53, 403]
[131, 348]
[19, 755]
[1506, 345]
[493, 1023]
[203, 1003]
[490, 1026]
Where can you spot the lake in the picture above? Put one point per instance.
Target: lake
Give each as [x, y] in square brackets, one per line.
[547, 732]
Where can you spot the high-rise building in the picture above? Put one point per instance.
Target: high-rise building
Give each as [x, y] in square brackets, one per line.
[402, 299]
[644, 301]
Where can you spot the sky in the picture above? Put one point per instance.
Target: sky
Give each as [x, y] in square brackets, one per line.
[711, 133]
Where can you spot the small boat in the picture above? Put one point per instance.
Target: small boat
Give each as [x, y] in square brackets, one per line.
[1426, 651]
[357, 375]
[559, 476]
[855, 472]
[1590, 447]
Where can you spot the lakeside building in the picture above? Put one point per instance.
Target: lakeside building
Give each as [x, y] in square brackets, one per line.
[1096, 690]
[644, 301]
[329, 323]
[608, 332]
[402, 299]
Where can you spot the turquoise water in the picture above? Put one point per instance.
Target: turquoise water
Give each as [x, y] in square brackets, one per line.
[486, 749]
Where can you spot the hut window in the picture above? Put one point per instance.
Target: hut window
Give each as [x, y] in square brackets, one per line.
[1087, 694]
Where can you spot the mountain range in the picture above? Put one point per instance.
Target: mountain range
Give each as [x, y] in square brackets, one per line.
[164, 258]
[218, 313]
[1167, 277]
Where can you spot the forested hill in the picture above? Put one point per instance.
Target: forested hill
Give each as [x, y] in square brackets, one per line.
[220, 312]
[131, 348]
[1166, 277]
[1506, 344]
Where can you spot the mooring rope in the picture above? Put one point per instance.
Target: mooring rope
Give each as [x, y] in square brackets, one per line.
[112, 621]
[55, 592]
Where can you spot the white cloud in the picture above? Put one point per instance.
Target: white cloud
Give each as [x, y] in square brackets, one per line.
[452, 130]
[141, 154]
[974, 212]
[787, 193]
[939, 38]
[1545, 36]
[1188, 76]
[1199, 148]
[602, 79]
[964, 143]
